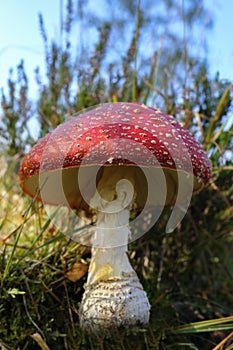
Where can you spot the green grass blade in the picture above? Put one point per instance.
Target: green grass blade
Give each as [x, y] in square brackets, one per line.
[219, 110]
[224, 323]
[9, 261]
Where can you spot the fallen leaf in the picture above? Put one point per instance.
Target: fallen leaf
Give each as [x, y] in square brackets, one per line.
[77, 271]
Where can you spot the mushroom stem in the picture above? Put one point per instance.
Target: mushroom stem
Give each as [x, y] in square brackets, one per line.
[109, 252]
[113, 294]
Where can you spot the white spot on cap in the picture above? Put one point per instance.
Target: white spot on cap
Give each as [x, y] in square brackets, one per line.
[169, 162]
[110, 160]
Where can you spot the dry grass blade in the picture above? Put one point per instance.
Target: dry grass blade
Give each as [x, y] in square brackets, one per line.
[37, 337]
[223, 342]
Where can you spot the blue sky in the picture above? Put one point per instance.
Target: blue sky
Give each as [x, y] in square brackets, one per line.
[221, 38]
[20, 37]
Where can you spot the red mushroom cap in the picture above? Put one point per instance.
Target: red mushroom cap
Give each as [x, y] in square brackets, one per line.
[114, 134]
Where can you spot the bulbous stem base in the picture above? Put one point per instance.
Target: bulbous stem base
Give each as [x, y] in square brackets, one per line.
[114, 303]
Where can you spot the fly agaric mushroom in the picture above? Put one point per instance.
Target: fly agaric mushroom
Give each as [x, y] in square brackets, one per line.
[112, 161]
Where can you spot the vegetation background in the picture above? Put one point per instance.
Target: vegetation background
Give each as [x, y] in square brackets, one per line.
[142, 51]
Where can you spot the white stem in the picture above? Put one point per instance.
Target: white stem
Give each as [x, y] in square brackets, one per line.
[113, 295]
[109, 252]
